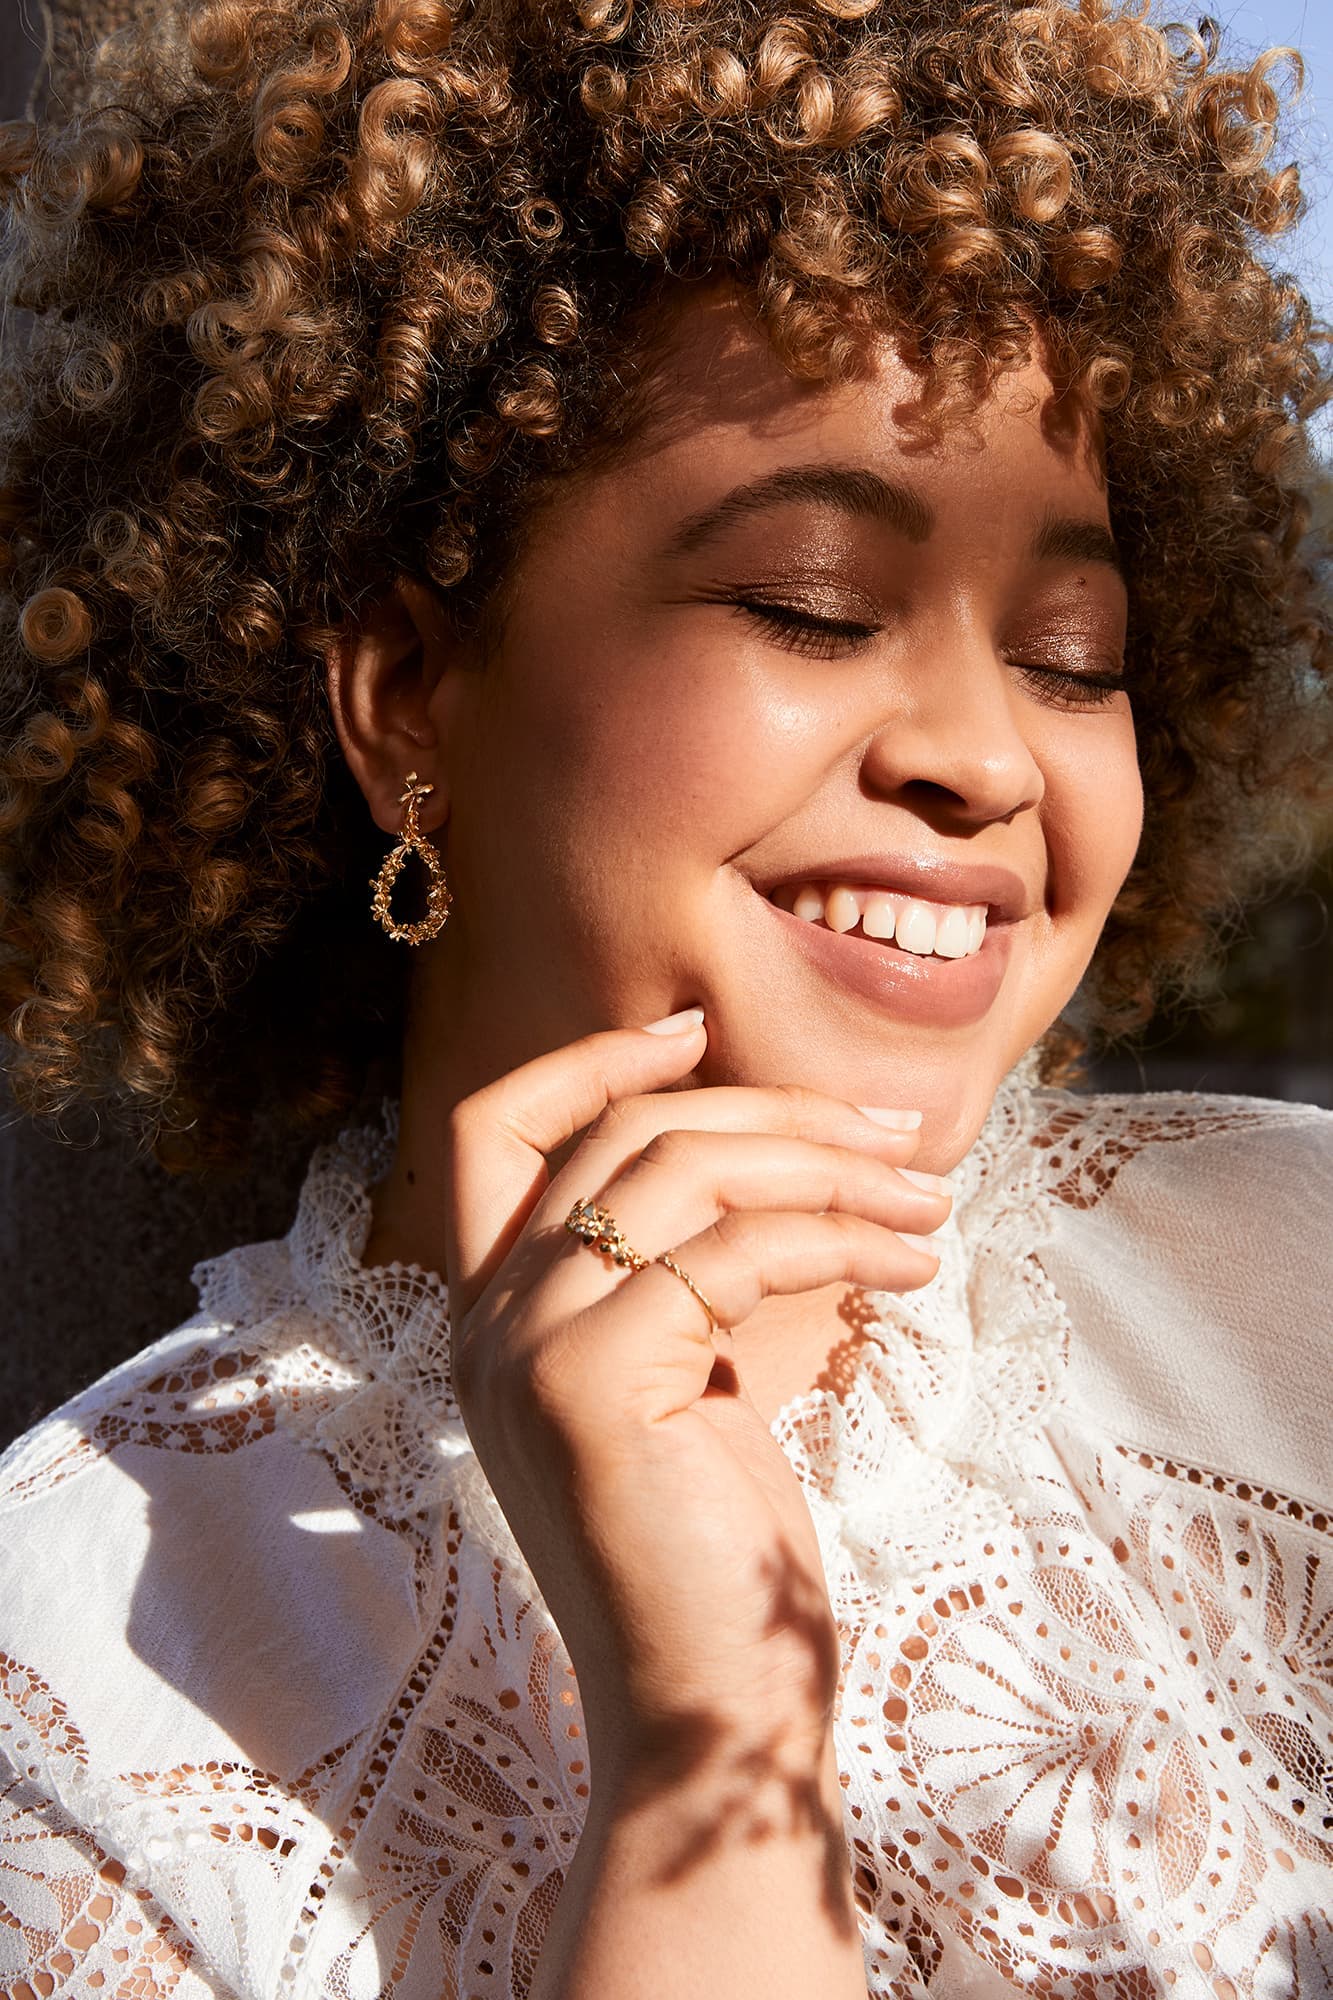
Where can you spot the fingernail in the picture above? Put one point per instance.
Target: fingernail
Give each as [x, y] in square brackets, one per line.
[897, 1121]
[932, 1183]
[676, 1024]
[919, 1243]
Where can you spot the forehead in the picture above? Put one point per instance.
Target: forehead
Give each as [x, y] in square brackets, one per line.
[717, 405]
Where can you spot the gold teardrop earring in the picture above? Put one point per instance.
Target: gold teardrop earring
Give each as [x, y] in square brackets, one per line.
[438, 894]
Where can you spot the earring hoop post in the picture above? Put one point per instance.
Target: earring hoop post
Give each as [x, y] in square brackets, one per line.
[412, 841]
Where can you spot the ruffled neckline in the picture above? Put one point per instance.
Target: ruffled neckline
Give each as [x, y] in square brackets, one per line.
[927, 1448]
[919, 1450]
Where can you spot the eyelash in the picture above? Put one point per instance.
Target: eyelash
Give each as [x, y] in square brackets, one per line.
[802, 632]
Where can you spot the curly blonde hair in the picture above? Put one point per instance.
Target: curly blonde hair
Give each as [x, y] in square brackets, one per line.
[331, 290]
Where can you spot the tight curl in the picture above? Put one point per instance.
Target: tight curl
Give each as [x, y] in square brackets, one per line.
[327, 291]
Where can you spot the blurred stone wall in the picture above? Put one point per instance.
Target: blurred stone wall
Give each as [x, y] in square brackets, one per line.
[96, 1250]
[24, 37]
[96, 1244]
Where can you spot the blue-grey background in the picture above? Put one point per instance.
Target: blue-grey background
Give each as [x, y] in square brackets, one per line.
[1306, 25]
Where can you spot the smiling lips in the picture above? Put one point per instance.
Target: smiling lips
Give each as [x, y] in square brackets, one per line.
[868, 926]
[926, 929]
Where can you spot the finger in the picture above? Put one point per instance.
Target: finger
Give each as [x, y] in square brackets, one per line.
[650, 1331]
[684, 1180]
[499, 1137]
[715, 1171]
[627, 1128]
[744, 1256]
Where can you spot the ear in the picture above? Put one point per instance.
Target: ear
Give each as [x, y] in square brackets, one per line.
[394, 681]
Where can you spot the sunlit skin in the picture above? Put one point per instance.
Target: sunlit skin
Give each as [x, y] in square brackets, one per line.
[658, 735]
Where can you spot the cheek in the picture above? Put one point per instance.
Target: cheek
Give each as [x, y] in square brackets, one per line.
[669, 758]
[1094, 816]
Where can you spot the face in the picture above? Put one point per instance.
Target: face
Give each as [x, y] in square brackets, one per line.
[798, 720]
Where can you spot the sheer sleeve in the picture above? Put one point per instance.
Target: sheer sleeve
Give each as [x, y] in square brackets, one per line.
[448, 1871]
[72, 1920]
[419, 1856]
[270, 1725]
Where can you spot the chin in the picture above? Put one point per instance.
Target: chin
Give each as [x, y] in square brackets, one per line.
[950, 1124]
[952, 1086]
[948, 1136]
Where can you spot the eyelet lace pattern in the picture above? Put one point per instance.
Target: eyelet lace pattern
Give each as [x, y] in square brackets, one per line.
[282, 1712]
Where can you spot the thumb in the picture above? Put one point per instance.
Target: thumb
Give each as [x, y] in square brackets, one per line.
[501, 1136]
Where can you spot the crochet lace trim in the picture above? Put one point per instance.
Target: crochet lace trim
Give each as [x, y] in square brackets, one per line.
[914, 1455]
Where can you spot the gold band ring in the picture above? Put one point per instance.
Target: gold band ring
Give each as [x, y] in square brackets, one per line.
[596, 1226]
[686, 1279]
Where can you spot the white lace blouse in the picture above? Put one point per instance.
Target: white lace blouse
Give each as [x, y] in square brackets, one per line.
[281, 1712]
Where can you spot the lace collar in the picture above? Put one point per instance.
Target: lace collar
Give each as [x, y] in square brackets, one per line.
[902, 1466]
[925, 1451]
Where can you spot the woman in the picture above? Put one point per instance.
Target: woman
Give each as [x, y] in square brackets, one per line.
[793, 520]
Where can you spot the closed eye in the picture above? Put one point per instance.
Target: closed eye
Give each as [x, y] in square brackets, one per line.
[1059, 688]
[808, 633]
[804, 631]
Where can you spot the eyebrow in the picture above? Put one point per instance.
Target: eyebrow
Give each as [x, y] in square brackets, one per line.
[850, 489]
[1069, 539]
[857, 490]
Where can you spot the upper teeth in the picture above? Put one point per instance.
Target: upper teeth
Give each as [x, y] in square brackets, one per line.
[949, 930]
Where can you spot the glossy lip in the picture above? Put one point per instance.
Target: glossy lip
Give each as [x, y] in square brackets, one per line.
[1006, 895]
[936, 992]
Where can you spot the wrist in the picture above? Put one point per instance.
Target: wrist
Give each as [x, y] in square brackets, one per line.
[711, 1862]
[691, 1767]
[665, 1731]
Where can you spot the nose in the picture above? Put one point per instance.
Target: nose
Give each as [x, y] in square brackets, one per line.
[954, 746]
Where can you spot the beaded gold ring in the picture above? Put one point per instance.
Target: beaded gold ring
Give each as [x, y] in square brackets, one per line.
[597, 1227]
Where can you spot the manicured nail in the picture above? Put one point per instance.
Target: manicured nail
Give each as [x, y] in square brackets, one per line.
[932, 1183]
[676, 1024]
[897, 1121]
[919, 1243]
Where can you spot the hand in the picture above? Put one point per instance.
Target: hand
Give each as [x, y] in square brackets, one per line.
[660, 1518]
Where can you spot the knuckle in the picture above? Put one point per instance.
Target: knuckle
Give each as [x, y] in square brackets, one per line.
[804, 1105]
[742, 1236]
[553, 1377]
[538, 1379]
[744, 1255]
[855, 1230]
[848, 1232]
[462, 1121]
[500, 1376]
[734, 1228]
[467, 1371]
[672, 1148]
[621, 1117]
[863, 1249]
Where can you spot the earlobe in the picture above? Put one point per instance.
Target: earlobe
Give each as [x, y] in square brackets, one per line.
[382, 673]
